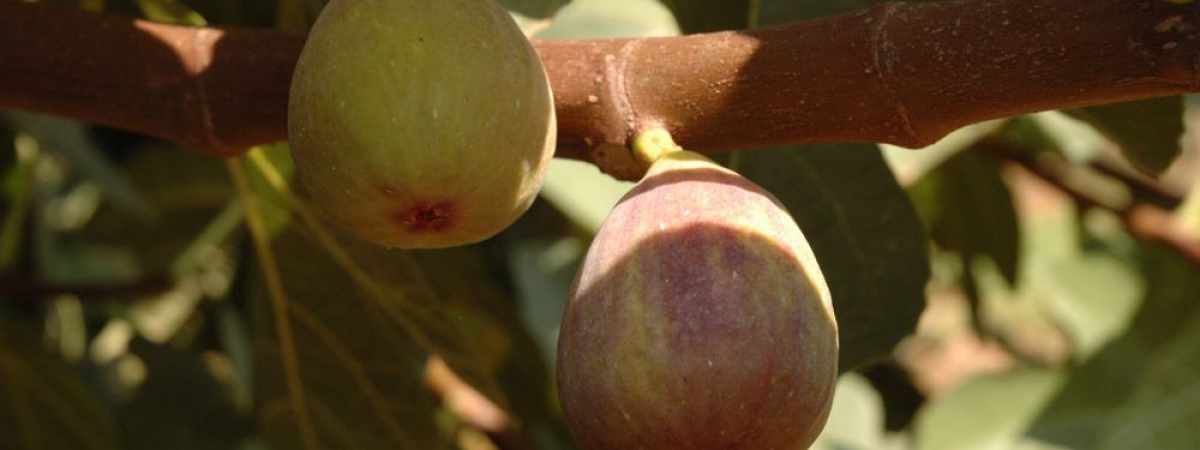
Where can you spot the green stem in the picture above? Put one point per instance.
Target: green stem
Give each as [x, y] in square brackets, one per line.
[279, 304]
[21, 182]
[652, 144]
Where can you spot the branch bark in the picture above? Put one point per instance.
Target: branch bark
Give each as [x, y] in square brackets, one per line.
[898, 73]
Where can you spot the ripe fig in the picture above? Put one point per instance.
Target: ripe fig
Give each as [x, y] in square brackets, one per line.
[418, 123]
[699, 320]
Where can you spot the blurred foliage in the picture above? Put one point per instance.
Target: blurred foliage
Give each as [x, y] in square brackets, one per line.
[155, 298]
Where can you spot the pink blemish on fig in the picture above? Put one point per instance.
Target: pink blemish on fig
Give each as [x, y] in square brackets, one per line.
[426, 217]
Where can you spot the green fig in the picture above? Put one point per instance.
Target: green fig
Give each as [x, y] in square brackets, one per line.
[419, 123]
[699, 320]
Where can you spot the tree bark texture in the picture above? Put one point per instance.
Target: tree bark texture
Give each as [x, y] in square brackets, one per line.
[900, 73]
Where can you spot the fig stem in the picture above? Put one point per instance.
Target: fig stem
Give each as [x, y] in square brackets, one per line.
[652, 144]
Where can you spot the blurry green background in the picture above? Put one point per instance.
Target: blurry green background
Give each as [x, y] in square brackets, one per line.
[141, 281]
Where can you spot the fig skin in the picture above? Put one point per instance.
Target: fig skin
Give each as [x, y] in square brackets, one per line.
[699, 320]
[420, 124]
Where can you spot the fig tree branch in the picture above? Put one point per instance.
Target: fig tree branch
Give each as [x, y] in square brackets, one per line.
[900, 73]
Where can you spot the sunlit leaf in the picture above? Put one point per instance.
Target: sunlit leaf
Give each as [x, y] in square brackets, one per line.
[171, 11]
[864, 231]
[276, 168]
[986, 413]
[856, 419]
[1143, 389]
[534, 8]
[582, 192]
[596, 19]
[1092, 295]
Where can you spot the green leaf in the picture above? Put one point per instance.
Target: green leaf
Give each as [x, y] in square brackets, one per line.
[540, 9]
[1147, 131]
[17, 200]
[1091, 295]
[453, 303]
[1143, 389]
[776, 12]
[856, 419]
[70, 140]
[44, 404]
[698, 16]
[597, 19]
[990, 412]
[359, 372]
[582, 193]
[184, 203]
[297, 14]
[473, 283]
[975, 212]
[180, 405]
[865, 234]
[275, 167]
[171, 11]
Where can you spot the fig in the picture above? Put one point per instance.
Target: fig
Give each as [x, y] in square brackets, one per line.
[698, 320]
[419, 124]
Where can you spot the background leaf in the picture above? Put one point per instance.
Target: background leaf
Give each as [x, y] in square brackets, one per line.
[856, 419]
[1146, 131]
[180, 405]
[1143, 389]
[977, 213]
[599, 19]
[699, 16]
[958, 420]
[361, 374]
[44, 404]
[775, 12]
[540, 9]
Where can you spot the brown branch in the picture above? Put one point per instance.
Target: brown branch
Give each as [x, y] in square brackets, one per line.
[897, 73]
[1143, 187]
[26, 290]
[1142, 218]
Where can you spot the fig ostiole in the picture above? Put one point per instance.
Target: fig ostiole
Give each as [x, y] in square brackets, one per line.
[418, 124]
[699, 320]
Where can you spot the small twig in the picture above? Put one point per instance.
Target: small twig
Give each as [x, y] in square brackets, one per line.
[1144, 189]
[1143, 217]
[26, 290]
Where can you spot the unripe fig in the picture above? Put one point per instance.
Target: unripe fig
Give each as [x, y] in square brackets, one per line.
[699, 320]
[420, 123]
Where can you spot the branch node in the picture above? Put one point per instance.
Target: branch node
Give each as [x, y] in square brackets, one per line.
[881, 65]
